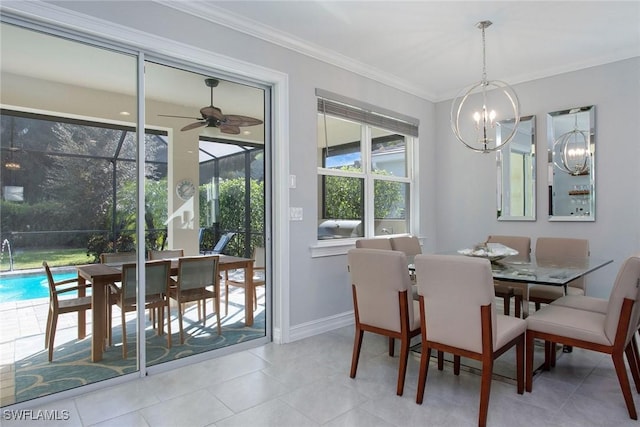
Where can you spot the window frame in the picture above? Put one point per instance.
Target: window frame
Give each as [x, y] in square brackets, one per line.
[338, 246]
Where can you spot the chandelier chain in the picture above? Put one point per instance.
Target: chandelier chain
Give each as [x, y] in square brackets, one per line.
[484, 57]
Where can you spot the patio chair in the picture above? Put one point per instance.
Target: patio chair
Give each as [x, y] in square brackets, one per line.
[220, 245]
[166, 254]
[157, 283]
[237, 278]
[196, 278]
[58, 305]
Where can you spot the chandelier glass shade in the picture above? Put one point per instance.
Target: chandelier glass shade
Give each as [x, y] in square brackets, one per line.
[571, 152]
[477, 110]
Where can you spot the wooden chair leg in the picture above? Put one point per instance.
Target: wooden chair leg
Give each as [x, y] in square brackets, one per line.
[623, 379]
[226, 299]
[636, 353]
[391, 346]
[440, 360]
[52, 335]
[456, 364]
[124, 331]
[520, 347]
[485, 389]
[180, 323]
[357, 344]
[553, 354]
[424, 370]
[47, 331]
[168, 323]
[518, 300]
[529, 361]
[506, 302]
[402, 364]
[633, 364]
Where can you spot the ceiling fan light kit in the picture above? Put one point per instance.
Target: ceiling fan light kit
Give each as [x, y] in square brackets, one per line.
[212, 116]
[476, 111]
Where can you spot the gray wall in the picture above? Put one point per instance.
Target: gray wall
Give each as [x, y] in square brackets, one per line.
[466, 210]
[457, 186]
[319, 287]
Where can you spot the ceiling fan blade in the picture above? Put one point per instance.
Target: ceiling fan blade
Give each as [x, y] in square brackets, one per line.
[180, 117]
[194, 125]
[212, 111]
[235, 120]
[226, 128]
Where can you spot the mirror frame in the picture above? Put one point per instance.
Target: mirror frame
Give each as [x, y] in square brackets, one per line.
[580, 187]
[502, 165]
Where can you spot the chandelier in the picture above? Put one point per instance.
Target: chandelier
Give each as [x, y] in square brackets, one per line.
[571, 152]
[476, 111]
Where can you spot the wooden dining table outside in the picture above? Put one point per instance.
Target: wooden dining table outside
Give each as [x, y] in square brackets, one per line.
[101, 275]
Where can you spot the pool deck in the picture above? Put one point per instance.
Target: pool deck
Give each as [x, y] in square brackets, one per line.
[23, 324]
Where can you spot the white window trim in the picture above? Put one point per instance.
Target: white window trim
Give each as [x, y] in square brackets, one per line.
[336, 247]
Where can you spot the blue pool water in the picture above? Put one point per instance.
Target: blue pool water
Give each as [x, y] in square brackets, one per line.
[25, 287]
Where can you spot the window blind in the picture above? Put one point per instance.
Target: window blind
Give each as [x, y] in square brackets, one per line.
[367, 114]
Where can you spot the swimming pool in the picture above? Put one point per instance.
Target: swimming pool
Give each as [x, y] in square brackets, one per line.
[22, 287]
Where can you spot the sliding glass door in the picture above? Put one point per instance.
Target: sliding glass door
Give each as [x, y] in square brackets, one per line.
[71, 181]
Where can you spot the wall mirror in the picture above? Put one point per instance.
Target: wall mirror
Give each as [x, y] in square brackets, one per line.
[571, 161]
[516, 189]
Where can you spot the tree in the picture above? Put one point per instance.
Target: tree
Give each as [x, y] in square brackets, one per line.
[343, 196]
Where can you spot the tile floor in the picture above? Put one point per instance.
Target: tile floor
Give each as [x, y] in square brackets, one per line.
[306, 383]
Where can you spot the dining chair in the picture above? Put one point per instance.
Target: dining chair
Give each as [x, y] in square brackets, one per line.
[117, 258]
[503, 289]
[549, 249]
[165, 254]
[458, 315]
[157, 283]
[382, 304]
[198, 280]
[410, 245]
[60, 305]
[237, 277]
[374, 243]
[611, 332]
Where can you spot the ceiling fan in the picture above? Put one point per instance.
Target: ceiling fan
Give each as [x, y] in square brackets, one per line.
[212, 116]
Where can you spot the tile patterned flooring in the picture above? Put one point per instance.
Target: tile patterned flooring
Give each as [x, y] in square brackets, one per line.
[306, 383]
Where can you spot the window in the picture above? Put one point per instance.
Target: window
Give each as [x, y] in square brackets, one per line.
[365, 175]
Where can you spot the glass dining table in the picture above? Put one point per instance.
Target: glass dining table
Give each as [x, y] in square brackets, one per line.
[545, 271]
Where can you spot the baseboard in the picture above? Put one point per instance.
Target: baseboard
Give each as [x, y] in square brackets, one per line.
[320, 326]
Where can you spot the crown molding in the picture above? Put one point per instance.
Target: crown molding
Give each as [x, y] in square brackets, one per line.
[242, 24]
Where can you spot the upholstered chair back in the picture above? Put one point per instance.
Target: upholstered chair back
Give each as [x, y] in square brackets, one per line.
[410, 245]
[627, 285]
[454, 288]
[522, 244]
[548, 248]
[378, 275]
[374, 244]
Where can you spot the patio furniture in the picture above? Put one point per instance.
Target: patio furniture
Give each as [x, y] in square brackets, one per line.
[58, 306]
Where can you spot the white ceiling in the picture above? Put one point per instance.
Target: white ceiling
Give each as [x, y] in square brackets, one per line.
[433, 48]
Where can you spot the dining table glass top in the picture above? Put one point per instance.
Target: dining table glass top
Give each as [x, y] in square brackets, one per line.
[556, 271]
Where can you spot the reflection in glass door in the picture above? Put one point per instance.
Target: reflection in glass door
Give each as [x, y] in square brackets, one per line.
[211, 203]
[68, 178]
